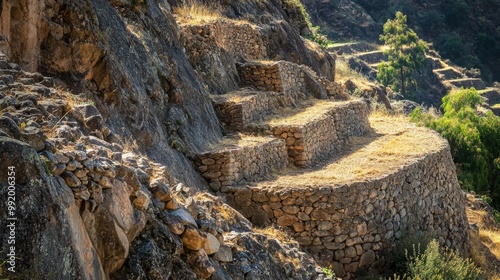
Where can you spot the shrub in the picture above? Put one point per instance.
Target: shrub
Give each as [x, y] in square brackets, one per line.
[441, 264]
[474, 140]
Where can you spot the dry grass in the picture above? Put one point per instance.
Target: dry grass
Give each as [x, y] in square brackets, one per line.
[485, 245]
[239, 140]
[194, 12]
[130, 145]
[305, 112]
[237, 96]
[343, 72]
[394, 143]
[275, 233]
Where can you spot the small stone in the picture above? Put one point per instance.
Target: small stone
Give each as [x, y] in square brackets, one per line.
[80, 173]
[325, 225]
[70, 179]
[184, 215]
[80, 155]
[224, 254]
[173, 222]
[367, 258]
[141, 200]
[58, 168]
[142, 176]
[286, 220]
[201, 264]
[192, 238]
[212, 245]
[81, 193]
[161, 190]
[172, 205]
[62, 158]
[362, 229]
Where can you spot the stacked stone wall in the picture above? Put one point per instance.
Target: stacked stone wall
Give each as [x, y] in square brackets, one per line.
[238, 115]
[347, 226]
[320, 138]
[242, 163]
[239, 39]
[282, 76]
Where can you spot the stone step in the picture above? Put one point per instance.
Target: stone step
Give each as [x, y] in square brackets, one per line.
[296, 82]
[242, 158]
[350, 48]
[316, 131]
[238, 109]
[396, 179]
[467, 83]
[372, 56]
[492, 94]
[448, 73]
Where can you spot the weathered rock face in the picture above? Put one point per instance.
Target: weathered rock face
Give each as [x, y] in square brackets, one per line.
[343, 19]
[128, 59]
[48, 221]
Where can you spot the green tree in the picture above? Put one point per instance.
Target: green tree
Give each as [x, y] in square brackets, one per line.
[474, 140]
[406, 55]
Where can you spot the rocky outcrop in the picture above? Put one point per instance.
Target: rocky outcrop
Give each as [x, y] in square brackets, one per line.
[45, 221]
[343, 20]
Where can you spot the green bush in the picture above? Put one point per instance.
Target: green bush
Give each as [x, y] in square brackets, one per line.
[474, 140]
[436, 263]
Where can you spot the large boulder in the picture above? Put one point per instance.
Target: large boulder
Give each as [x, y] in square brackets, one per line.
[48, 231]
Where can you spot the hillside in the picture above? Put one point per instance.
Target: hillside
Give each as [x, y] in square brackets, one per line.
[465, 32]
[153, 139]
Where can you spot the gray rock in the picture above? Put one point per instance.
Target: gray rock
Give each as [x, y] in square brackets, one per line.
[224, 254]
[70, 179]
[54, 219]
[212, 245]
[201, 263]
[10, 127]
[186, 218]
[173, 222]
[367, 258]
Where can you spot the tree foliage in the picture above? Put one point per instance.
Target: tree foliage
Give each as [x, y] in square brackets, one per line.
[474, 140]
[406, 55]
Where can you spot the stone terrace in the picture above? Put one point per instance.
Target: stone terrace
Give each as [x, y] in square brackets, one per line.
[297, 82]
[241, 159]
[317, 131]
[396, 180]
[236, 110]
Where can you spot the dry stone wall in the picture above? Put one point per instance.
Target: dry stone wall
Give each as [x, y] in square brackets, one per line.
[237, 112]
[321, 137]
[239, 40]
[347, 226]
[296, 82]
[241, 163]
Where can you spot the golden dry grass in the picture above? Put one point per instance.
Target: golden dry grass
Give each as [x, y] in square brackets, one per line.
[275, 233]
[485, 245]
[238, 141]
[305, 112]
[236, 97]
[343, 72]
[194, 12]
[394, 143]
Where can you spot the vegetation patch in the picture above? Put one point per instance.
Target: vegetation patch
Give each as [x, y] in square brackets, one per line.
[474, 139]
[195, 12]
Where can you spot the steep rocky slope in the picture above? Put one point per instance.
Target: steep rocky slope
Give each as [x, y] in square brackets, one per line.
[150, 126]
